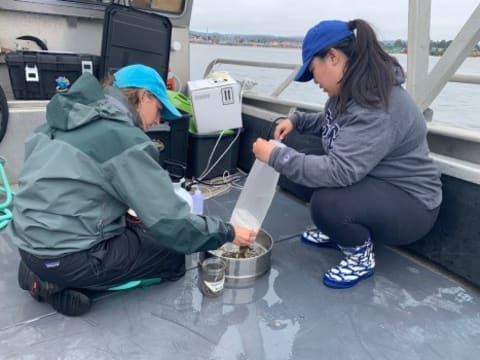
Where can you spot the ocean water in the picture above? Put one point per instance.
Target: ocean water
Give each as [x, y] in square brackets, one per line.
[457, 104]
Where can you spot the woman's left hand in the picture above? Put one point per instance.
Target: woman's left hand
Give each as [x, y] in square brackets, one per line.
[262, 149]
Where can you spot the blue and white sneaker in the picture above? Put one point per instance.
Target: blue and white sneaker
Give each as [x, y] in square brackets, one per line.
[359, 265]
[318, 238]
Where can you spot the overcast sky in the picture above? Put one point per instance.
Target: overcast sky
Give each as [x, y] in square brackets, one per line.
[295, 17]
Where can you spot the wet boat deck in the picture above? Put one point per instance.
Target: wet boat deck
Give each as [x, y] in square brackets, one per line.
[407, 310]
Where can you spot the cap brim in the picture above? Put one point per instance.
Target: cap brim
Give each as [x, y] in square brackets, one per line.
[304, 74]
[169, 111]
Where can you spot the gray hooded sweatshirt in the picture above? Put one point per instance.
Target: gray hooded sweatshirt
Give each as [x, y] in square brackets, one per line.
[388, 145]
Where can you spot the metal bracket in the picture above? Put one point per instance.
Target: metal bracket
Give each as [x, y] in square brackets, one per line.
[31, 73]
[87, 66]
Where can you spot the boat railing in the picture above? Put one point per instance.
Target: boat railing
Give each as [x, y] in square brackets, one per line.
[261, 64]
[459, 160]
[457, 77]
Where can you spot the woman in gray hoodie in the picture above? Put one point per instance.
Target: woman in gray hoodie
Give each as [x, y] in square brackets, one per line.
[373, 180]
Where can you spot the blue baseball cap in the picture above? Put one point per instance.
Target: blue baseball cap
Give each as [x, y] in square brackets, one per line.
[145, 77]
[318, 38]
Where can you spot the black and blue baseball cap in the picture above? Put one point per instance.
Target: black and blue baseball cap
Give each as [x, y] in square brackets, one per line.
[318, 38]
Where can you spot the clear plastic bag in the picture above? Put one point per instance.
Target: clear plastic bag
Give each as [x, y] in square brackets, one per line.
[256, 196]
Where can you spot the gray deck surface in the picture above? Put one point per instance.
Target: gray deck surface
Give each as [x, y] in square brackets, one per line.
[405, 311]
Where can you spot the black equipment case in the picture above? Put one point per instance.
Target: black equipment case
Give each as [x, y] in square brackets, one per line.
[130, 36]
[38, 75]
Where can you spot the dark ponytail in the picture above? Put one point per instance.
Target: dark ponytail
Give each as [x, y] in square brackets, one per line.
[369, 74]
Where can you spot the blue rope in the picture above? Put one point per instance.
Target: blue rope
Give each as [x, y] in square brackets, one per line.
[5, 213]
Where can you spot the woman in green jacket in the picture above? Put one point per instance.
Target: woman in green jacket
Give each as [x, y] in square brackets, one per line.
[84, 168]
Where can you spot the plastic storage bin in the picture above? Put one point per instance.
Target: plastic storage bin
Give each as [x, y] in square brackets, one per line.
[34, 74]
[171, 139]
[201, 146]
[184, 104]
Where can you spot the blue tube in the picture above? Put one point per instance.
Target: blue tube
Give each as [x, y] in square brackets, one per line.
[5, 213]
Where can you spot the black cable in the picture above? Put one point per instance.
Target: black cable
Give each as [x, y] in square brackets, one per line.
[219, 184]
[227, 149]
[3, 114]
[273, 125]
[194, 181]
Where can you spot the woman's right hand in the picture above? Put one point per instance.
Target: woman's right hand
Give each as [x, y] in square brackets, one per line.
[243, 236]
[283, 129]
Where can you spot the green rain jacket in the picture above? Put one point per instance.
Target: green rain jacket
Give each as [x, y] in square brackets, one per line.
[85, 167]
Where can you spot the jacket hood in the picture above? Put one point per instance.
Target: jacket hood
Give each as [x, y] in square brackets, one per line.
[85, 102]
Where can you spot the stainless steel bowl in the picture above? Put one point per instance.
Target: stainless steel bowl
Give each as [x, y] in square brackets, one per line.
[245, 271]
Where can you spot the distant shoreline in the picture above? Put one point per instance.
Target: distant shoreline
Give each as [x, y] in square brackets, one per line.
[284, 46]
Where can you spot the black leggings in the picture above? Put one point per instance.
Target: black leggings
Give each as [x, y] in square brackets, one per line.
[133, 255]
[370, 208]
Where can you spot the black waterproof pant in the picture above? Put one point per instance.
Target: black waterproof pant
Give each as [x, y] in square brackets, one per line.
[133, 255]
[370, 208]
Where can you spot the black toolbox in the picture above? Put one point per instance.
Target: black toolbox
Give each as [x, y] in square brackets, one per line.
[130, 36]
[38, 75]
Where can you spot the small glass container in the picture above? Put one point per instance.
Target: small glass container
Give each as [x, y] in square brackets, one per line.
[213, 276]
